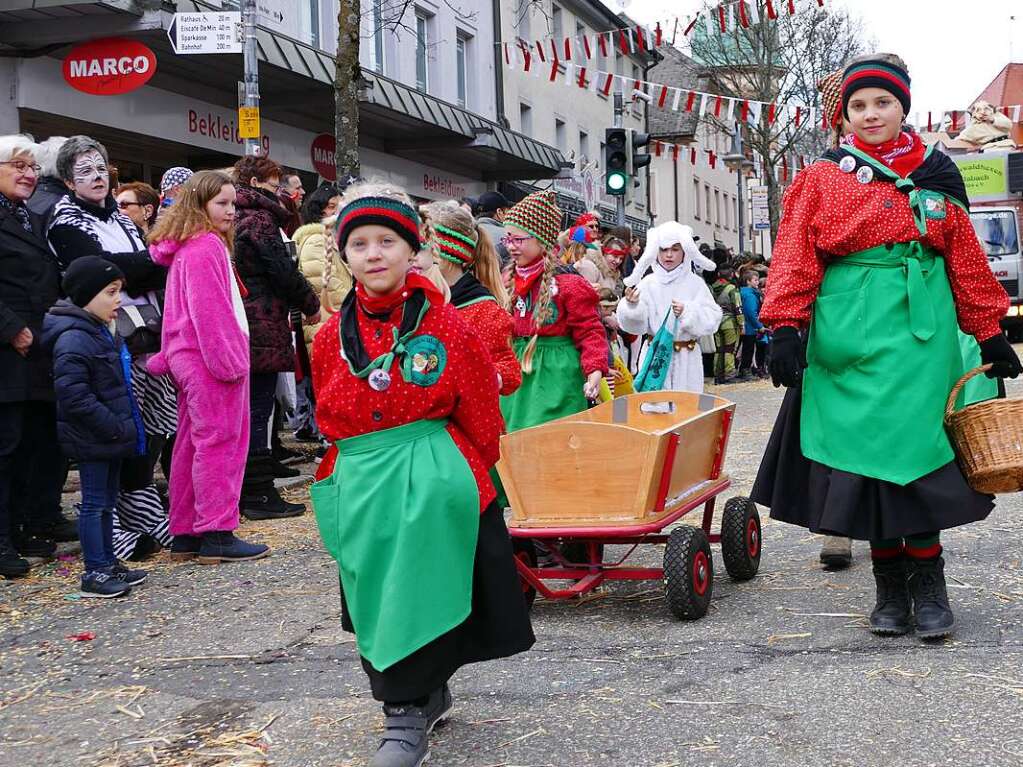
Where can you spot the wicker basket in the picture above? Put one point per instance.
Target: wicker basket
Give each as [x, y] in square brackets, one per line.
[988, 438]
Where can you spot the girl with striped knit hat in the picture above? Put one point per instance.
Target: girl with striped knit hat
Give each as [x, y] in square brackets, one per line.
[407, 393]
[558, 339]
[469, 264]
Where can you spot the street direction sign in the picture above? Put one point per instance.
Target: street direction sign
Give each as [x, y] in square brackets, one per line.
[191, 33]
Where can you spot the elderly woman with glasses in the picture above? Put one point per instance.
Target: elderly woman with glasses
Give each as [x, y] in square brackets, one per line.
[29, 285]
[274, 287]
[89, 222]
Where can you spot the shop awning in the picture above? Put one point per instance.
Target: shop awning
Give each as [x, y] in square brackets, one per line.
[35, 24]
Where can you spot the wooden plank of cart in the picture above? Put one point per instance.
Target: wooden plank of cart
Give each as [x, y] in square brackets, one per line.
[621, 473]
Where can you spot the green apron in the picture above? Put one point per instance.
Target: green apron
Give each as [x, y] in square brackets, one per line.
[553, 390]
[400, 514]
[883, 356]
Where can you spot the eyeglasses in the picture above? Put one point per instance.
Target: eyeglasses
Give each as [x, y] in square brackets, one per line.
[510, 240]
[20, 166]
[122, 204]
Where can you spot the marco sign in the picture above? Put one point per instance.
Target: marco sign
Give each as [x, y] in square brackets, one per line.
[109, 67]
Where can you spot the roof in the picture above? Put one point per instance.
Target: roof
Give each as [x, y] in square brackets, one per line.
[1007, 87]
[679, 71]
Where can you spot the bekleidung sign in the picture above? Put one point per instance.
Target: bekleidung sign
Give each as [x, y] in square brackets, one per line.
[109, 67]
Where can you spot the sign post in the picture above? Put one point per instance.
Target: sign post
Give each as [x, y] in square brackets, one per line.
[251, 65]
[191, 33]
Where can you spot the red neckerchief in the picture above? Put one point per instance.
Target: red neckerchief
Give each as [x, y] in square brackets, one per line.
[386, 304]
[903, 154]
[527, 276]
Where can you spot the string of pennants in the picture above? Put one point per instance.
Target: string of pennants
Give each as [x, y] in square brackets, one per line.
[784, 169]
[721, 19]
[728, 108]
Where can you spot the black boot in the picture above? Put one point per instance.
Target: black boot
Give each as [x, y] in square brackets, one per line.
[29, 546]
[934, 618]
[280, 471]
[12, 565]
[268, 504]
[892, 615]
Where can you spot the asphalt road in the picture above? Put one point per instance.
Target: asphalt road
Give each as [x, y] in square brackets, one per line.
[246, 665]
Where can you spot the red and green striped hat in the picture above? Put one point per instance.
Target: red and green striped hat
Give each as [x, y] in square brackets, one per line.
[454, 246]
[876, 73]
[383, 211]
[538, 215]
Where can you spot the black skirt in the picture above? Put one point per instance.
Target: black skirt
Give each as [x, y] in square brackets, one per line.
[825, 500]
[497, 627]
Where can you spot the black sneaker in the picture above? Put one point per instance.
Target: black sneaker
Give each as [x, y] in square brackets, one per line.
[30, 546]
[269, 506]
[407, 730]
[99, 585]
[11, 564]
[131, 577]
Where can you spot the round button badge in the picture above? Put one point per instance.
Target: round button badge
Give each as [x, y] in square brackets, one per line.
[379, 380]
[847, 164]
[865, 174]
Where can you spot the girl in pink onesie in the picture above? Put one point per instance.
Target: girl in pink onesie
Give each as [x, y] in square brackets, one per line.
[205, 350]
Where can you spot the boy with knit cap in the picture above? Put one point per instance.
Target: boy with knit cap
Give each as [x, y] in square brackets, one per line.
[558, 339]
[98, 421]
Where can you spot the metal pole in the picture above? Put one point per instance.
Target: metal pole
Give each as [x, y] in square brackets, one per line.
[251, 64]
[742, 204]
[619, 107]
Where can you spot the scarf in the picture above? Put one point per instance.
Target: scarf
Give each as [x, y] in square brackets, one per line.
[18, 210]
[664, 277]
[527, 276]
[414, 301]
[384, 305]
[902, 154]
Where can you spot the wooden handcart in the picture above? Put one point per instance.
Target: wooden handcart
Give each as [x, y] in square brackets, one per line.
[621, 473]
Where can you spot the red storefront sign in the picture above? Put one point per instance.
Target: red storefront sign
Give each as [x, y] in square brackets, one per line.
[109, 67]
[322, 154]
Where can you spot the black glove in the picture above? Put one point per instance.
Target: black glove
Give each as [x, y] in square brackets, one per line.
[999, 353]
[787, 357]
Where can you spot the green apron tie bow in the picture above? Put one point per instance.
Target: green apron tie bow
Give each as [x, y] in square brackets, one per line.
[908, 256]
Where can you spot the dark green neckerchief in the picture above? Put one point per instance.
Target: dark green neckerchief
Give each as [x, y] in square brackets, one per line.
[354, 350]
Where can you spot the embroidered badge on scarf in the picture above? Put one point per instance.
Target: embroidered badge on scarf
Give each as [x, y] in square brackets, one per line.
[429, 358]
[935, 206]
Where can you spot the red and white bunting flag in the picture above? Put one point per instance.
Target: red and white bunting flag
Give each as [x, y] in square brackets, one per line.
[799, 116]
[930, 124]
[712, 24]
[608, 82]
[555, 53]
[602, 44]
[744, 110]
[731, 110]
[713, 159]
[568, 49]
[792, 7]
[527, 56]
[657, 149]
[582, 77]
[623, 42]
[703, 105]
[539, 52]
[772, 113]
[718, 103]
[692, 156]
[586, 47]
[1016, 112]
[772, 14]
[640, 39]
[554, 70]
[722, 21]
[663, 97]
[507, 56]
[674, 152]
[743, 18]
[659, 34]
[955, 120]
[755, 111]
[678, 97]
[754, 12]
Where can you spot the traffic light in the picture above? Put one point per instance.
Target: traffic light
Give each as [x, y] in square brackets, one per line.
[638, 160]
[616, 160]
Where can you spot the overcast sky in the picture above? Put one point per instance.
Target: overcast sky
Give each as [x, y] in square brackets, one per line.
[954, 48]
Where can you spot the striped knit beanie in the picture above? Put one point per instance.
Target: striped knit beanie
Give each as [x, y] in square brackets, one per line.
[382, 211]
[876, 73]
[830, 88]
[454, 246]
[538, 215]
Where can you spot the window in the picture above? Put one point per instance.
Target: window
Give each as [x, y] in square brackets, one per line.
[707, 209]
[696, 199]
[584, 148]
[560, 139]
[728, 212]
[422, 41]
[556, 25]
[525, 119]
[601, 58]
[717, 208]
[376, 46]
[600, 157]
[522, 22]
[462, 65]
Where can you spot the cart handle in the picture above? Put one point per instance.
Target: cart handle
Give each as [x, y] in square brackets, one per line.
[951, 406]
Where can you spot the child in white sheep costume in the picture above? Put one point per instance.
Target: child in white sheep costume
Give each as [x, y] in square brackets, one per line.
[648, 300]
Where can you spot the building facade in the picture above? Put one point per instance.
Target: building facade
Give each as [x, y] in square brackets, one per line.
[573, 119]
[428, 102]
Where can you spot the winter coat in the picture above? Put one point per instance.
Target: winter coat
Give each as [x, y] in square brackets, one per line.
[96, 415]
[318, 253]
[752, 299]
[49, 191]
[78, 228]
[29, 285]
[275, 285]
[204, 320]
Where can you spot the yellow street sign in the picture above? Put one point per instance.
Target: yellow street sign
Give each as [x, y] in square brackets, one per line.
[248, 122]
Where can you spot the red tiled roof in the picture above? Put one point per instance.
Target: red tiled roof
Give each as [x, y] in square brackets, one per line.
[1007, 87]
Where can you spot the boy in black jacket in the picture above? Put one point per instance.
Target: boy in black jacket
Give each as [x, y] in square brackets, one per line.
[98, 422]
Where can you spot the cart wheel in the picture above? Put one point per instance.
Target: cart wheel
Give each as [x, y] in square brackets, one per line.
[576, 552]
[524, 550]
[688, 572]
[741, 538]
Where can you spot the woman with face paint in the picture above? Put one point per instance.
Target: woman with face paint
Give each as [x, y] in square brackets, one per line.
[88, 222]
[876, 258]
